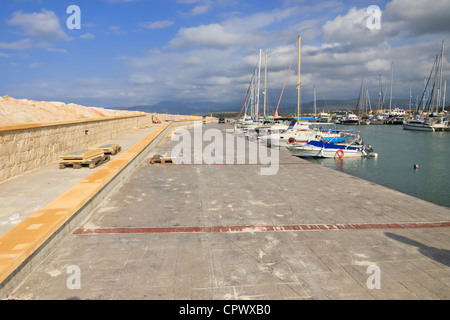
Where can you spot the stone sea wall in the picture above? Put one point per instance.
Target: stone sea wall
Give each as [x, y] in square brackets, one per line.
[29, 146]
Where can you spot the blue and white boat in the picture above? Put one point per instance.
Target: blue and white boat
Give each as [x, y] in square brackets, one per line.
[321, 148]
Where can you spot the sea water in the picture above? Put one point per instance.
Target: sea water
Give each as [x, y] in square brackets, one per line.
[398, 151]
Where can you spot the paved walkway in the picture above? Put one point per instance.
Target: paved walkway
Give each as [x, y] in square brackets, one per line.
[228, 232]
[25, 194]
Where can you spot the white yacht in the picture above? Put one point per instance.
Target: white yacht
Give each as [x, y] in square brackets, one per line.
[351, 119]
[418, 125]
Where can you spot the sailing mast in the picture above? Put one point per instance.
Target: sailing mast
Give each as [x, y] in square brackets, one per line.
[259, 82]
[265, 87]
[315, 104]
[392, 79]
[298, 83]
[410, 96]
[443, 96]
[379, 94]
[441, 66]
[433, 95]
[252, 97]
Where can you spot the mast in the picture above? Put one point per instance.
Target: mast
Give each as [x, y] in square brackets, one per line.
[425, 88]
[252, 97]
[368, 102]
[441, 65]
[410, 96]
[443, 96]
[265, 86]
[433, 95]
[315, 106]
[298, 83]
[392, 78]
[360, 98]
[259, 82]
[379, 93]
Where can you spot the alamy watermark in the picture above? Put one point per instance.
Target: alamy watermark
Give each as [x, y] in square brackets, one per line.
[374, 281]
[73, 282]
[374, 20]
[224, 149]
[74, 21]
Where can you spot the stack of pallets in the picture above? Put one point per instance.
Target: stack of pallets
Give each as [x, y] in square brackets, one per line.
[91, 158]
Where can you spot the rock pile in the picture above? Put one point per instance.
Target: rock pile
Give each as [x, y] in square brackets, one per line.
[24, 111]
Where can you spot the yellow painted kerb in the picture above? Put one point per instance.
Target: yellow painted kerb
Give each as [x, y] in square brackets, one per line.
[24, 239]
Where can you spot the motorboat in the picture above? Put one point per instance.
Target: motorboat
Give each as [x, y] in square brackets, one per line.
[418, 125]
[324, 117]
[377, 119]
[305, 132]
[336, 118]
[321, 148]
[351, 119]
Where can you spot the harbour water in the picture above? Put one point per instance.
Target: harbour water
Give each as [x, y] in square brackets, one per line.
[398, 151]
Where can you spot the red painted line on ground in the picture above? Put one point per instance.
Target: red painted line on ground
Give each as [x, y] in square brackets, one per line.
[251, 229]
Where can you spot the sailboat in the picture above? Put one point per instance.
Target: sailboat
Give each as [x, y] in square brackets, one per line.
[425, 119]
[351, 118]
[252, 120]
[378, 118]
[365, 108]
[298, 131]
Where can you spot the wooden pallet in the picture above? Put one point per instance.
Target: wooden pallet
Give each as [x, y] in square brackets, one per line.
[111, 149]
[78, 164]
[161, 159]
[91, 158]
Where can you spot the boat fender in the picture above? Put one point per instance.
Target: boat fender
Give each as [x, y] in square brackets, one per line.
[340, 153]
[291, 140]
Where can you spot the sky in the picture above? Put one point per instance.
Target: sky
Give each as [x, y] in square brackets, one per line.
[141, 52]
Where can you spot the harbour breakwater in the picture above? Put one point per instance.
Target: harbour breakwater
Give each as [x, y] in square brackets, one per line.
[31, 145]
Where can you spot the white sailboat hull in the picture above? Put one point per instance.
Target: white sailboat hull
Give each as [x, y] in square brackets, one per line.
[417, 126]
[308, 151]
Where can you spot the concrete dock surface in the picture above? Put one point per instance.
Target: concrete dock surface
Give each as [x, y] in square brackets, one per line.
[23, 195]
[216, 232]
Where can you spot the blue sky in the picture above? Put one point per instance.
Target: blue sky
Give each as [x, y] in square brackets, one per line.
[140, 52]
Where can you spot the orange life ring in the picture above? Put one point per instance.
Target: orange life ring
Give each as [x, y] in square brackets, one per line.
[291, 140]
[340, 153]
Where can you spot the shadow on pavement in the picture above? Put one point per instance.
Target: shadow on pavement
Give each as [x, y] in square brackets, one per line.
[439, 255]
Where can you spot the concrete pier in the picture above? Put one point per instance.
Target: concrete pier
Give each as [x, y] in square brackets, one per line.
[224, 231]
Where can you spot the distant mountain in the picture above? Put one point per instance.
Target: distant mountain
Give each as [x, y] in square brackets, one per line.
[339, 105]
[186, 108]
[200, 108]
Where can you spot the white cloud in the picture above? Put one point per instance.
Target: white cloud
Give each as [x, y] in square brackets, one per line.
[351, 30]
[244, 31]
[24, 44]
[87, 36]
[34, 65]
[157, 24]
[44, 25]
[418, 17]
[116, 30]
[200, 9]
[201, 6]
[212, 36]
[47, 46]
[141, 78]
